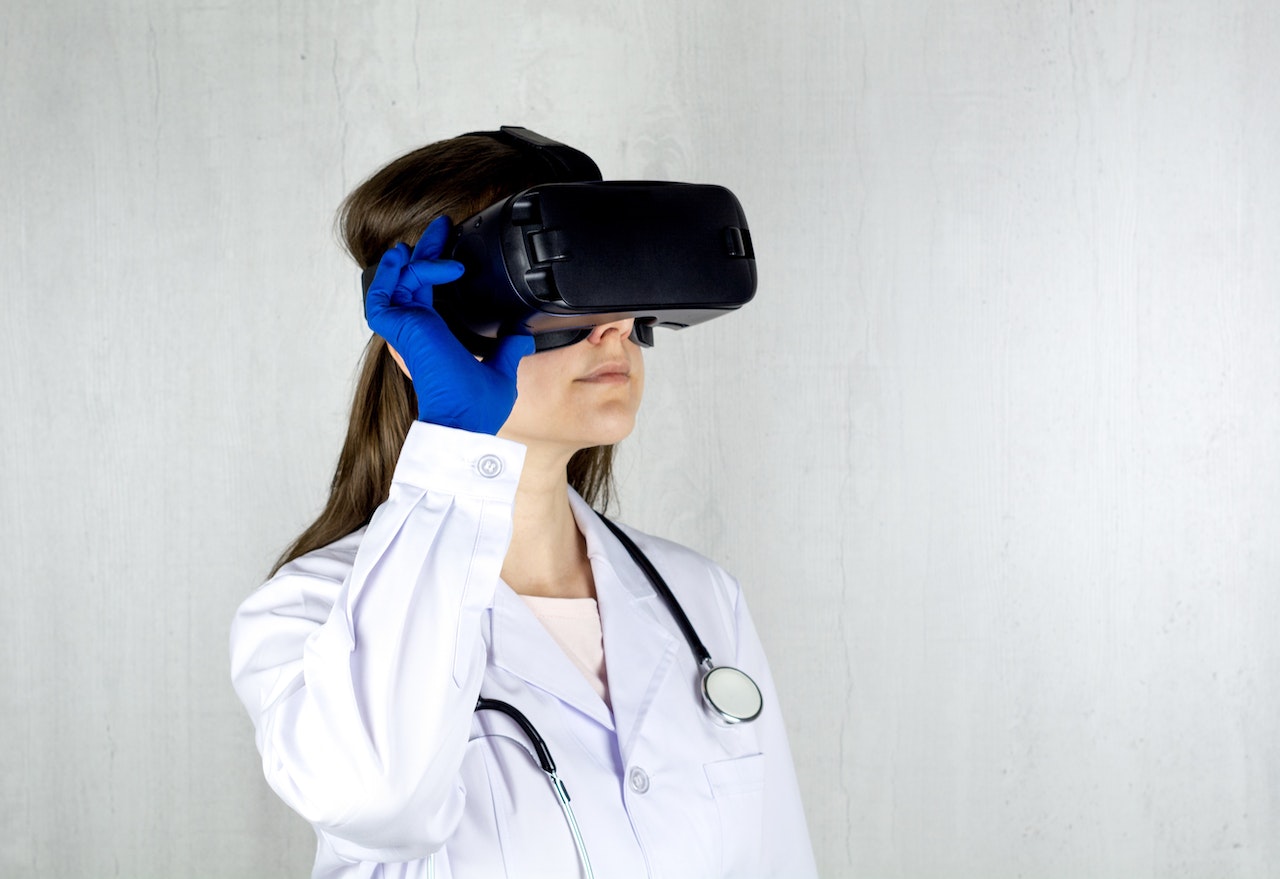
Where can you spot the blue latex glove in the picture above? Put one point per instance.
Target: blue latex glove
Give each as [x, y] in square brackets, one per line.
[453, 388]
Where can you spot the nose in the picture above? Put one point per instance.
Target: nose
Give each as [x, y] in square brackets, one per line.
[600, 331]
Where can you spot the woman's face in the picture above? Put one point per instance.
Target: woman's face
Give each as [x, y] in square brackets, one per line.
[581, 395]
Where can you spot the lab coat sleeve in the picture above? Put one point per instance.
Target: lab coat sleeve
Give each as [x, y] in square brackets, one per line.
[360, 663]
[785, 847]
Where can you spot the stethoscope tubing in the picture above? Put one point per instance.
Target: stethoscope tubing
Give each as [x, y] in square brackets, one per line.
[548, 765]
[660, 586]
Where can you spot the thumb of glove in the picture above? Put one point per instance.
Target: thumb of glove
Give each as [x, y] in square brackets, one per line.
[506, 358]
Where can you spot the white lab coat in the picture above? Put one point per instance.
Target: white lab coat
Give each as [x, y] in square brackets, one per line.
[360, 664]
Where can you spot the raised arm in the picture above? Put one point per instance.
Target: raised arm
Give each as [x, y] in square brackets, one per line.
[360, 663]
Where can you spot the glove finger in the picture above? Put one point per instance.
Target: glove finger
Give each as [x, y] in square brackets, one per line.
[419, 277]
[385, 280]
[506, 357]
[431, 244]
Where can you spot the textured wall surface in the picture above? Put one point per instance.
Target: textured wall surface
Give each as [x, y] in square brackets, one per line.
[996, 451]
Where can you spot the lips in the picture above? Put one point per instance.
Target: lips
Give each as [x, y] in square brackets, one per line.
[613, 371]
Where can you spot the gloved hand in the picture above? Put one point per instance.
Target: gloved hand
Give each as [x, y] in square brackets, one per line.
[453, 388]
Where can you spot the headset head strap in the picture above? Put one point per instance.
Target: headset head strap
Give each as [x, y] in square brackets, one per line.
[564, 163]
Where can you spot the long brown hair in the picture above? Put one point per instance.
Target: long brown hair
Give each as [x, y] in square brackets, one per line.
[454, 178]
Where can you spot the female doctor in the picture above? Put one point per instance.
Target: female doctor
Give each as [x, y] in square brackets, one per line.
[459, 558]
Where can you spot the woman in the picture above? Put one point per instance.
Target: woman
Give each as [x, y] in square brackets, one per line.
[459, 557]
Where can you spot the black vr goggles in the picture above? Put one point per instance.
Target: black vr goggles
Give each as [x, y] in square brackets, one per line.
[561, 257]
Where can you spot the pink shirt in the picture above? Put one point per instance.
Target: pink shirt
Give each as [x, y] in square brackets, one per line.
[574, 624]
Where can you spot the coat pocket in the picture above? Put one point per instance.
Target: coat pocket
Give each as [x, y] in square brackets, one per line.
[738, 787]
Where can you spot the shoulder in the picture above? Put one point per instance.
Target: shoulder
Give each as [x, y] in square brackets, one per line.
[676, 554]
[306, 587]
[698, 583]
[332, 562]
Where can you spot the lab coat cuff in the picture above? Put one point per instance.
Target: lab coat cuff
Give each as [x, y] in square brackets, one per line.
[460, 462]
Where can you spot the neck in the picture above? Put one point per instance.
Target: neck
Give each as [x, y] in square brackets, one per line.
[548, 554]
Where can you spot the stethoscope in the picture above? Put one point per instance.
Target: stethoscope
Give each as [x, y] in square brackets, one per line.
[729, 694]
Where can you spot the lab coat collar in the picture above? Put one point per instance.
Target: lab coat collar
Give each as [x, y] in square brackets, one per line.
[517, 635]
[640, 648]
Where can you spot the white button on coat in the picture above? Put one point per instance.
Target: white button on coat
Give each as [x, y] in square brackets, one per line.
[639, 780]
[360, 665]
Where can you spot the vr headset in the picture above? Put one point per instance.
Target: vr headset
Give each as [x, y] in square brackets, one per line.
[561, 257]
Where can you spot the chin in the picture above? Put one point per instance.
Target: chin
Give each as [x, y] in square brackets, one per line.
[608, 431]
[602, 430]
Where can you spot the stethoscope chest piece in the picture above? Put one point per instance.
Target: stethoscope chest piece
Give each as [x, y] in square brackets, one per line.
[731, 694]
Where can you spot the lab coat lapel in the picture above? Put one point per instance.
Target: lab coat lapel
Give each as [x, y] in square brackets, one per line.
[521, 645]
[639, 648]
